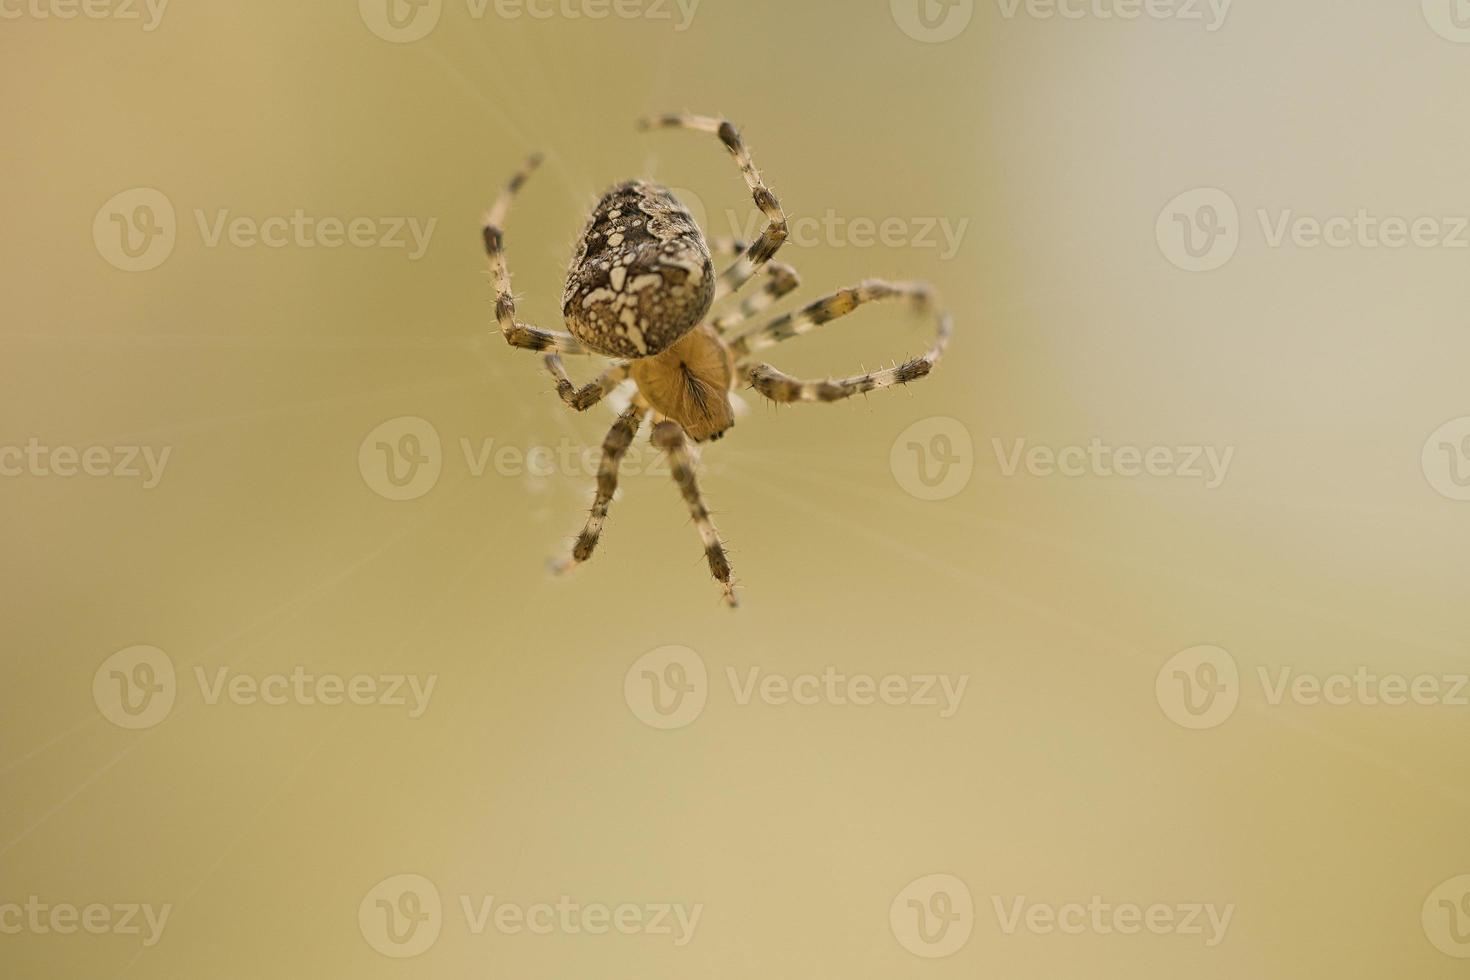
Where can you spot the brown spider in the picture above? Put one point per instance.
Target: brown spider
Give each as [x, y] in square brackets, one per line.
[639, 289]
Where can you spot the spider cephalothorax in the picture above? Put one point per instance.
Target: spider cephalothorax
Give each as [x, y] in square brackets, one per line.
[640, 290]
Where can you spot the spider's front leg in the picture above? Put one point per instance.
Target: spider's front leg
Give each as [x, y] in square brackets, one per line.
[781, 387]
[583, 398]
[780, 280]
[517, 334]
[765, 247]
[668, 436]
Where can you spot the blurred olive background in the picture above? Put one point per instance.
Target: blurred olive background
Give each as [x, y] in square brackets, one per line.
[1055, 144]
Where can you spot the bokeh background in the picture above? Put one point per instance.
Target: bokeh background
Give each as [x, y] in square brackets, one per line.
[1062, 150]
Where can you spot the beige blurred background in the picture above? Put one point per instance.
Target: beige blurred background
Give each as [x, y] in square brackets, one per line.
[1070, 156]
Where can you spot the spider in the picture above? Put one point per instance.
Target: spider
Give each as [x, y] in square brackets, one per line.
[639, 291]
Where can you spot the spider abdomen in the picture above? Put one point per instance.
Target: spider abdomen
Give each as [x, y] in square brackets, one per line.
[642, 276]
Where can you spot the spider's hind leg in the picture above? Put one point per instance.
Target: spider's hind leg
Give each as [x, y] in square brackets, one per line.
[668, 436]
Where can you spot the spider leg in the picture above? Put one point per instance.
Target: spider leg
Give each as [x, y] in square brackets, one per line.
[761, 251]
[825, 310]
[726, 247]
[783, 388]
[614, 447]
[581, 399]
[780, 280]
[668, 436]
[517, 334]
